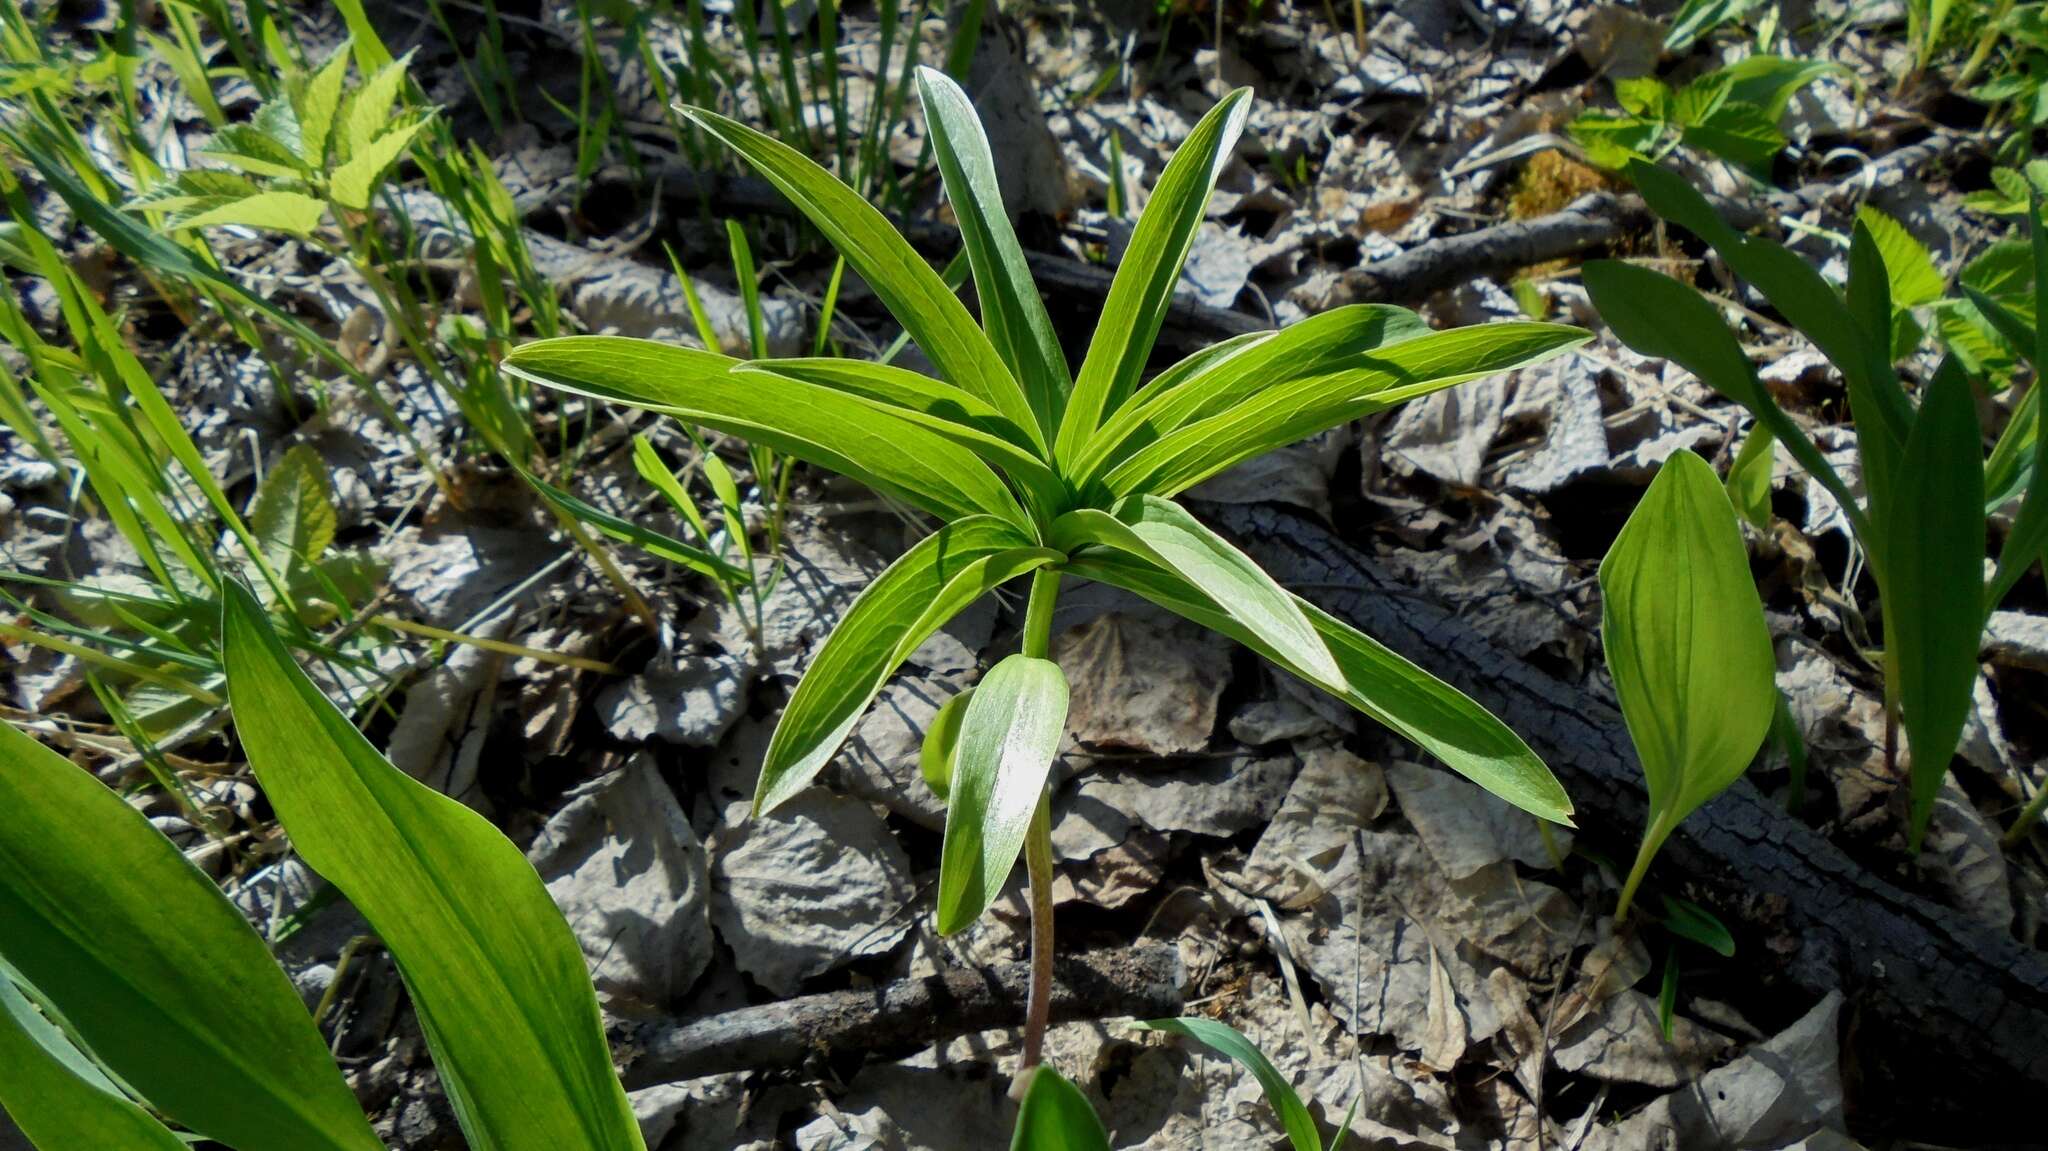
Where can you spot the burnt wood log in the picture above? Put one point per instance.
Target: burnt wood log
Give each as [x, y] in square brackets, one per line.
[1144, 981]
[1948, 1018]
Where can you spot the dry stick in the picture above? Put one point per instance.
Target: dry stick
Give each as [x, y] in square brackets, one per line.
[1145, 981]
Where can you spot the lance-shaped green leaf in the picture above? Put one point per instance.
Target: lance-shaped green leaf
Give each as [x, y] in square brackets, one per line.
[1223, 376]
[1163, 534]
[154, 969]
[57, 1097]
[1055, 1116]
[955, 414]
[1143, 289]
[1231, 1043]
[926, 586]
[850, 435]
[1658, 316]
[1009, 733]
[494, 972]
[1687, 646]
[1749, 477]
[1011, 309]
[1286, 412]
[1388, 689]
[1934, 582]
[906, 285]
[2028, 539]
[1883, 414]
[291, 212]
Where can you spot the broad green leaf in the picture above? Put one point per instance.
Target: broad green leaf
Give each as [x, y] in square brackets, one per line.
[493, 970]
[1934, 582]
[1231, 1043]
[1749, 477]
[906, 285]
[57, 1097]
[1228, 374]
[293, 519]
[292, 212]
[154, 969]
[1687, 645]
[1009, 734]
[957, 415]
[368, 111]
[941, 742]
[277, 121]
[1386, 688]
[1055, 1116]
[1293, 410]
[1739, 133]
[847, 434]
[1163, 534]
[926, 586]
[1011, 309]
[1142, 292]
[352, 183]
[647, 539]
[1658, 316]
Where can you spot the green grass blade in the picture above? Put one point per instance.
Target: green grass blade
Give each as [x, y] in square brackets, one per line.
[154, 969]
[1009, 735]
[1055, 1116]
[2028, 539]
[1162, 533]
[1230, 1043]
[1281, 414]
[1934, 589]
[1143, 289]
[647, 539]
[494, 972]
[1388, 689]
[906, 285]
[1011, 309]
[845, 433]
[921, 590]
[57, 1097]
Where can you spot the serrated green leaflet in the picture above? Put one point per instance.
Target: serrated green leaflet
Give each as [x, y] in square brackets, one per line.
[1009, 733]
[292, 212]
[494, 972]
[1231, 1043]
[1687, 646]
[152, 966]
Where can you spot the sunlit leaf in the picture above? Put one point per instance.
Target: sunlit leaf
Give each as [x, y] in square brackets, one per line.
[1009, 733]
[57, 1097]
[1055, 1116]
[1231, 1043]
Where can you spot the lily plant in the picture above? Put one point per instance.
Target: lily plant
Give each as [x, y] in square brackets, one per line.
[1033, 471]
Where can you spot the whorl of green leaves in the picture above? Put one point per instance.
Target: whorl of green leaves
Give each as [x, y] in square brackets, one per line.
[1029, 468]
